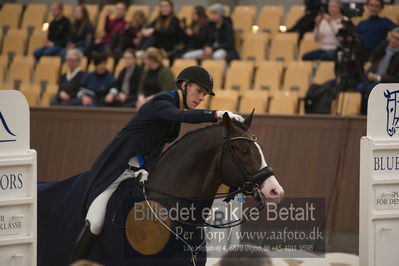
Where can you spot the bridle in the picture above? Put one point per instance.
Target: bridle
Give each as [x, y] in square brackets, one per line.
[250, 183]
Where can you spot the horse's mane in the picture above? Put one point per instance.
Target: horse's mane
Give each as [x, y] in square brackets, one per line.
[198, 131]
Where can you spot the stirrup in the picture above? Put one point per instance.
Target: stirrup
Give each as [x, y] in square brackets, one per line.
[83, 244]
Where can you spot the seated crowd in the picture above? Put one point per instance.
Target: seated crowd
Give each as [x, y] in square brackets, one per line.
[136, 40]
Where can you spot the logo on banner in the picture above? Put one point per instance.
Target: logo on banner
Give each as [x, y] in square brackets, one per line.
[4, 127]
[392, 111]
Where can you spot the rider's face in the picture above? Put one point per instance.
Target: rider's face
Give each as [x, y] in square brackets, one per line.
[195, 95]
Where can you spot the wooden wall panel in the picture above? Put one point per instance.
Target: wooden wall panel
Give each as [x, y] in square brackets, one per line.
[313, 156]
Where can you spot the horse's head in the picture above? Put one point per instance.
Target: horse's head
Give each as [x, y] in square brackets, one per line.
[243, 164]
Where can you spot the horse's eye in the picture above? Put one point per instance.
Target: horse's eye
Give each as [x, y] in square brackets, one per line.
[245, 151]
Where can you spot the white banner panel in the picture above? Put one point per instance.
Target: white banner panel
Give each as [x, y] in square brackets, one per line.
[379, 180]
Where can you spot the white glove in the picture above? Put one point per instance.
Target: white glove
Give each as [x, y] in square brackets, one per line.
[143, 175]
[232, 115]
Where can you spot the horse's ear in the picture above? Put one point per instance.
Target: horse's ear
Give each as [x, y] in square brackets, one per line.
[248, 121]
[227, 123]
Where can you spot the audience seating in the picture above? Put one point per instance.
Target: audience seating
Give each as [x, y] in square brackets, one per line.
[10, 15]
[133, 8]
[254, 47]
[93, 12]
[307, 44]
[216, 69]
[15, 41]
[283, 102]
[254, 99]
[324, 72]
[47, 70]
[239, 75]
[297, 77]
[243, 18]
[295, 12]
[268, 77]
[186, 13]
[34, 16]
[348, 103]
[36, 40]
[21, 70]
[269, 20]
[225, 100]
[180, 64]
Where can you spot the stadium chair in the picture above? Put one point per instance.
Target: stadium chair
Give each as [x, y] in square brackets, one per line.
[216, 69]
[206, 103]
[295, 12]
[283, 102]
[325, 72]
[279, 9]
[243, 18]
[154, 13]
[15, 42]
[225, 100]
[83, 65]
[282, 50]
[307, 44]
[34, 16]
[31, 96]
[245, 8]
[186, 12]
[101, 20]
[2, 71]
[269, 21]
[180, 64]
[10, 15]
[390, 12]
[36, 40]
[297, 77]
[239, 75]
[254, 47]
[47, 70]
[254, 99]
[110, 65]
[21, 69]
[133, 8]
[226, 9]
[348, 103]
[67, 10]
[268, 77]
[49, 91]
[93, 13]
[118, 68]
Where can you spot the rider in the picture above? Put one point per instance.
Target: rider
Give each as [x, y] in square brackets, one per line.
[140, 143]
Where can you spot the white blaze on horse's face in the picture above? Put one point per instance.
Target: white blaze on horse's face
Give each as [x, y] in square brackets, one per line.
[270, 188]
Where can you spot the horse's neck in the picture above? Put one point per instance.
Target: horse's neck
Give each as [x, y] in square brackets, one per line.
[189, 168]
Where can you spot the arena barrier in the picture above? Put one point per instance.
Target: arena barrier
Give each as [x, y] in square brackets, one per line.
[18, 199]
[379, 180]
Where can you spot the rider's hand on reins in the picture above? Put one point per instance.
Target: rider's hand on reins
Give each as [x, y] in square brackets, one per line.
[141, 174]
[232, 115]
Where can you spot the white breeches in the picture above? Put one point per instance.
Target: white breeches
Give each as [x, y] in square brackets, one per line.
[96, 212]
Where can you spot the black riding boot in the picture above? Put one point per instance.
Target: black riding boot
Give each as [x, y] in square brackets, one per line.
[83, 244]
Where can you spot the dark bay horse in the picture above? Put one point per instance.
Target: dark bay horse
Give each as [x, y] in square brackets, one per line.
[194, 167]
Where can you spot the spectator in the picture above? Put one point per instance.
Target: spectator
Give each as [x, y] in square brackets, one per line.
[164, 31]
[133, 37]
[155, 78]
[113, 28]
[82, 32]
[307, 22]
[327, 27]
[69, 83]
[57, 33]
[127, 85]
[220, 35]
[382, 68]
[195, 35]
[373, 30]
[95, 86]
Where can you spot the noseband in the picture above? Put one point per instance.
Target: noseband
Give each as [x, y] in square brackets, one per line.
[250, 183]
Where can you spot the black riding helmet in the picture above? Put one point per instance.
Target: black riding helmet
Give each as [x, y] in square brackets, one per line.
[198, 75]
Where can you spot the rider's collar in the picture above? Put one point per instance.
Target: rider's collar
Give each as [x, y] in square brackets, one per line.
[175, 95]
